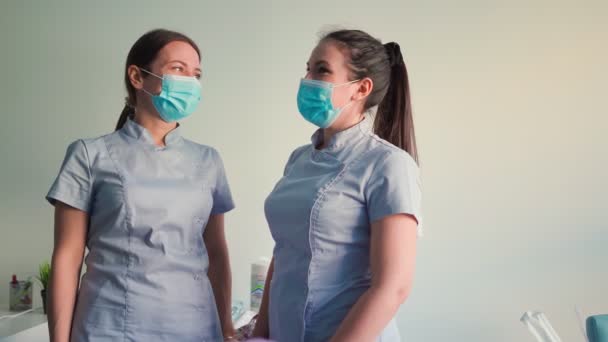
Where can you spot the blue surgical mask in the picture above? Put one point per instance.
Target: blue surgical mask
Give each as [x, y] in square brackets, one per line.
[179, 96]
[314, 102]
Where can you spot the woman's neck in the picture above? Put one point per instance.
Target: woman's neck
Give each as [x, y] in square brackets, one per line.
[155, 125]
[331, 131]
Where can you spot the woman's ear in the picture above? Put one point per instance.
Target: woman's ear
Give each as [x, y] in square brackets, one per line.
[365, 88]
[135, 77]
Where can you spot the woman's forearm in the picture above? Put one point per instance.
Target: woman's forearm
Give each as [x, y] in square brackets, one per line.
[221, 282]
[62, 292]
[370, 315]
[392, 256]
[261, 326]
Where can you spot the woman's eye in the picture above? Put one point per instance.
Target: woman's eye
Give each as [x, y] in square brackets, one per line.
[178, 68]
[323, 70]
[198, 77]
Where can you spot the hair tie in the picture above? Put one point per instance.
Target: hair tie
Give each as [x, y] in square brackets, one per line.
[394, 54]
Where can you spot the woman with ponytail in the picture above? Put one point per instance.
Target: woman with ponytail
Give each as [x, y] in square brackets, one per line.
[346, 214]
[149, 206]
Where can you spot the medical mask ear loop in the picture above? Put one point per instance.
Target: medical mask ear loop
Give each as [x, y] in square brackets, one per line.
[342, 84]
[341, 109]
[147, 92]
[317, 82]
[153, 74]
[349, 102]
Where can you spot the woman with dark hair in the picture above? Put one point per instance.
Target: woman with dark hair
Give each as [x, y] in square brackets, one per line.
[149, 205]
[346, 214]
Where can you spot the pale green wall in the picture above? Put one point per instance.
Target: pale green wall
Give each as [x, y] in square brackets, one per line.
[511, 114]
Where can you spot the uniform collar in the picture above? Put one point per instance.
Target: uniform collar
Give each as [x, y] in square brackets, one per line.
[344, 138]
[136, 131]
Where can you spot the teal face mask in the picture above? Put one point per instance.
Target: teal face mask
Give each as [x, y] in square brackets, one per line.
[179, 96]
[314, 102]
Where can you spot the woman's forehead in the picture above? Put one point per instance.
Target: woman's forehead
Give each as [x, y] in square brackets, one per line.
[179, 51]
[328, 51]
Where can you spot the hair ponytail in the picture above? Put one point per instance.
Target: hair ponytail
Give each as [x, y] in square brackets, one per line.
[394, 121]
[127, 112]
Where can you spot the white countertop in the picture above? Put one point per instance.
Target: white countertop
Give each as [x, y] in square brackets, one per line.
[29, 327]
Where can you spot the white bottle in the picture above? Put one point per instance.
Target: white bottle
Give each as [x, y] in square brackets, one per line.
[259, 269]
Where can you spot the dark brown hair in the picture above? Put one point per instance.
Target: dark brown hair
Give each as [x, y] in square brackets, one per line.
[384, 65]
[142, 54]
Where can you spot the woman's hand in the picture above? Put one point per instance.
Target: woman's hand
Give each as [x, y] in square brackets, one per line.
[261, 327]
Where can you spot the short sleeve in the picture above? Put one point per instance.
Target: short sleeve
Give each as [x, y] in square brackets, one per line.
[394, 188]
[73, 183]
[292, 158]
[222, 197]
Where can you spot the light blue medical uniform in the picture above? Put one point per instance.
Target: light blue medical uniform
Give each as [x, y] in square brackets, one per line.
[320, 216]
[146, 277]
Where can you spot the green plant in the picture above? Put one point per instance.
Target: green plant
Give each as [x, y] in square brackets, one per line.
[44, 271]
